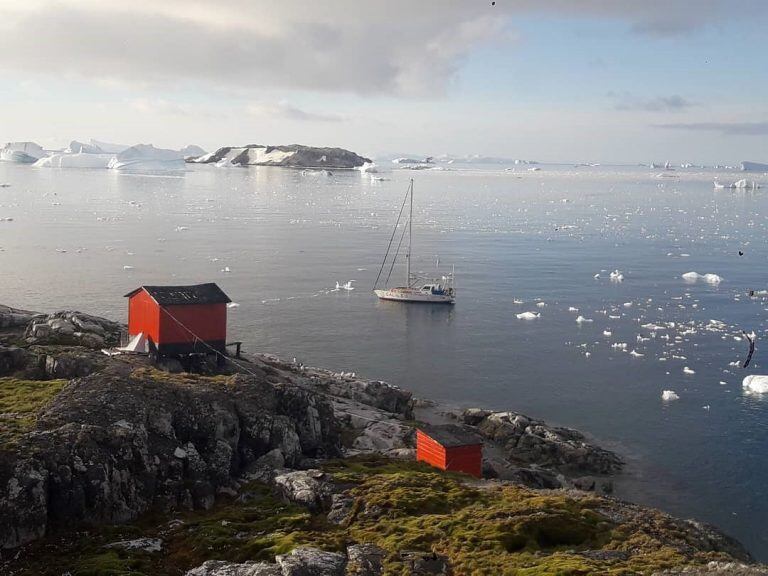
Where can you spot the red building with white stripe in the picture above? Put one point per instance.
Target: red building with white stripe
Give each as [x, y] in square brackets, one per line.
[180, 320]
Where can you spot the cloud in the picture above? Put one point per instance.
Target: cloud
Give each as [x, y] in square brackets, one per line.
[394, 47]
[672, 103]
[287, 112]
[724, 128]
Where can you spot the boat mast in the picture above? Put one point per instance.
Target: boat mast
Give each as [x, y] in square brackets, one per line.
[410, 237]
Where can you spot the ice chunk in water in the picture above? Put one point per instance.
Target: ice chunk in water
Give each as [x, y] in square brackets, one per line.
[528, 315]
[668, 395]
[756, 384]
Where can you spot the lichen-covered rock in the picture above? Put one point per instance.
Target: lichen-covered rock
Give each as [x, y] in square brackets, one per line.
[12, 358]
[310, 488]
[717, 569]
[110, 446]
[305, 561]
[221, 568]
[74, 328]
[365, 560]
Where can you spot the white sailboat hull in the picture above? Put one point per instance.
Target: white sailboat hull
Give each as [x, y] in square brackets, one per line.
[413, 295]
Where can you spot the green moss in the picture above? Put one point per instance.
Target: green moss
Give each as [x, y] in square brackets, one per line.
[20, 401]
[498, 529]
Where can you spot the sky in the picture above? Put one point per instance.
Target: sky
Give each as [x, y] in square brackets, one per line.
[549, 80]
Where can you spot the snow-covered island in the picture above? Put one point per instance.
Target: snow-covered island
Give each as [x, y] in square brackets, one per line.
[292, 155]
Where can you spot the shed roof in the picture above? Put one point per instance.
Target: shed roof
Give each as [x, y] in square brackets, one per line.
[208, 293]
[452, 435]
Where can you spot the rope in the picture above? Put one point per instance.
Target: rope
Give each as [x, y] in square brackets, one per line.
[394, 259]
[391, 239]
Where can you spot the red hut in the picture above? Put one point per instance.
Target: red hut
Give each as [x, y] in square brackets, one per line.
[180, 319]
[450, 447]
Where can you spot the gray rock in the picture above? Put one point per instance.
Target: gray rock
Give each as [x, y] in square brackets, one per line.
[220, 568]
[75, 328]
[310, 488]
[424, 563]
[340, 508]
[365, 560]
[14, 318]
[305, 561]
[530, 441]
[12, 359]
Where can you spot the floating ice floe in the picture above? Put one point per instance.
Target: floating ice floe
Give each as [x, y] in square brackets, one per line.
[528, 315]
[607, 333]
[636, 354]
[582, 320]
[708, 278]
[233, 305]
[126, 267]
[687, 370]
[616, 276]
[755, 384]
[572, 309]
[668, 395]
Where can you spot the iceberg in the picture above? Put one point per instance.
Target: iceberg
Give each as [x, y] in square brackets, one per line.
[21, 152]
[191, 151]
[147, 158]
[368, 168]
[668, 395]
[754, 167]
[755, 384]
[76, 147]
[745, 184]
[109, 148]
[78, 160]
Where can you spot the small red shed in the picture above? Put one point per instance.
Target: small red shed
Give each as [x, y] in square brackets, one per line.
[180, 319]
[450, 447]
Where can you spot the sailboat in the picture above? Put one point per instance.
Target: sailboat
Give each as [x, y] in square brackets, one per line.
[416, 289]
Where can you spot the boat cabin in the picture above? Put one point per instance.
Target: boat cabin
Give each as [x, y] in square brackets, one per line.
[436, 289]
[450, 447]
[179, 320]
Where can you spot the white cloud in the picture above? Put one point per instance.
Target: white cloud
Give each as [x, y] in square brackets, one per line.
[394, 47]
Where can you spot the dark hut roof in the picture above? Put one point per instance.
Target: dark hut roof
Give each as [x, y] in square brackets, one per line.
[208, 293]
[452, 435]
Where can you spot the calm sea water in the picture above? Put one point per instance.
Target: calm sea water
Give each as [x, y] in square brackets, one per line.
[287, 238]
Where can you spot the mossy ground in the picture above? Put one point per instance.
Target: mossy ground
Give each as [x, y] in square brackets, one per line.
[20, 401]
[497, 530]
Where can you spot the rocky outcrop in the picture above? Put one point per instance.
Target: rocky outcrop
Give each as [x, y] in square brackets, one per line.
[73, 328]
[717, 569]
[310, 488]
[13, 317]
[293, 155]
[112, 445]
[529, 441]
[302, 561]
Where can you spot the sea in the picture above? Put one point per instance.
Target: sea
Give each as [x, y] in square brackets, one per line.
[546, 241]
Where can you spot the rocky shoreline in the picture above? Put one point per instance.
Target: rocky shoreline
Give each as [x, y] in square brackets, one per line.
[91, 441]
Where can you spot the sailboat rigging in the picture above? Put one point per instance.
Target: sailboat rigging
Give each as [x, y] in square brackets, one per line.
[416, 289]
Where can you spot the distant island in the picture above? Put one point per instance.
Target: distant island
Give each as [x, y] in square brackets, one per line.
[146, 157]
[292, 155]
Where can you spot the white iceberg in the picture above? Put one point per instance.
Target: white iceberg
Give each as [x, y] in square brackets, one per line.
[109, 148]
[76, 147]
[78, 160]
[21, 152]
[745, 184]
[147, 158]
[755, 384]
[668, 395]
[368, 168]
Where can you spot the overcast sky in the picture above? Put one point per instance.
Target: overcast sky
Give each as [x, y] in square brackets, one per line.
[593, 80]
